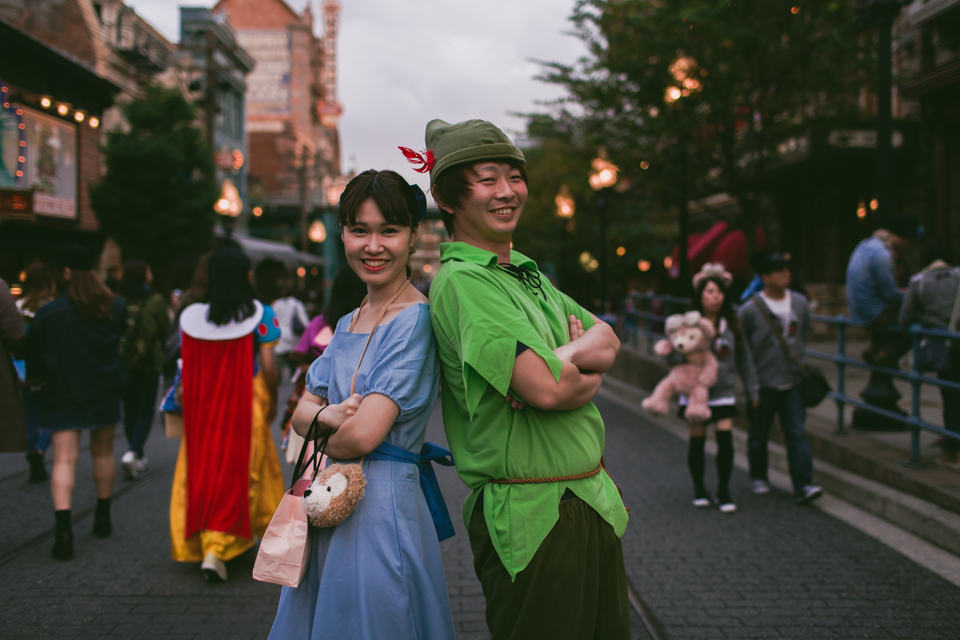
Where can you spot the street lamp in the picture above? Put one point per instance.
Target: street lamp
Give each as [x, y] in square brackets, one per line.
[318, 232]
[566, 207]
[228, 205]
[603, 176]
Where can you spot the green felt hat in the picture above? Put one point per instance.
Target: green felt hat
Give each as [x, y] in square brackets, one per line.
[469, 141]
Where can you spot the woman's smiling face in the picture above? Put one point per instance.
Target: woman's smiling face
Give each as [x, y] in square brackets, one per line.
[377, 250]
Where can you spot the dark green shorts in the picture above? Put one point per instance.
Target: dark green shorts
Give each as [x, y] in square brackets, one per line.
[575, 587]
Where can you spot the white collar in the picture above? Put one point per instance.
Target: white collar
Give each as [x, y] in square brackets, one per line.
[195, 323]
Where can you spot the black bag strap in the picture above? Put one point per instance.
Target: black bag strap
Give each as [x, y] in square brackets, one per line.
[762, 308]
[320, 444]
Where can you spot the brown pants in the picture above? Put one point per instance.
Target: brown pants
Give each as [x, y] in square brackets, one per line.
[575, 587]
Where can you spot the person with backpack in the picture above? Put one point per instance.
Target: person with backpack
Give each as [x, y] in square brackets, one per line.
[148, 323]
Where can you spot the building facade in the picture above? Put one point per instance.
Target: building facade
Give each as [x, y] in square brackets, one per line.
[292, 113]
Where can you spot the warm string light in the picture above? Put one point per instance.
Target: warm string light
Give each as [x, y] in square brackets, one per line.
[16, 113]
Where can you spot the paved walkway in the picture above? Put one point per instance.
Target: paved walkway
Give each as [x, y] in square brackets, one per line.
[772, 570]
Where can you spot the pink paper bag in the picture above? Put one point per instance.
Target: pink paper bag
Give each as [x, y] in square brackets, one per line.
[285, 548]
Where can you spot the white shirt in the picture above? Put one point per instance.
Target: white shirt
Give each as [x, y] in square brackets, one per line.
[286, 309]
[780, 309]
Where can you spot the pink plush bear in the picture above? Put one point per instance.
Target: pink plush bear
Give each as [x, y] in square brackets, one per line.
[690, 335]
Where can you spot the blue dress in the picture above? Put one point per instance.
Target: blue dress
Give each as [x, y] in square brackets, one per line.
[379, 573]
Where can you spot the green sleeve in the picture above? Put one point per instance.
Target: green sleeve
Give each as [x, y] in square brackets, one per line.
[479, 326]
[571, 308]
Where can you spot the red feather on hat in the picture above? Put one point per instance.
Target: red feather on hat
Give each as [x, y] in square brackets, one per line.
[425, 159]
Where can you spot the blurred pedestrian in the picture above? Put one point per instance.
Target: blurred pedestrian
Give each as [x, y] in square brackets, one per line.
[379, 573]
[39, 288]
[711, 285]
[933, 300]
[75, 349]
[228, 482]
[778, 309]
[148, 324]
[13, 425]
[873, 296]
[273, 281]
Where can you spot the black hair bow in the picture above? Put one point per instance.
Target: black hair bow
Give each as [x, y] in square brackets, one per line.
[421, 201]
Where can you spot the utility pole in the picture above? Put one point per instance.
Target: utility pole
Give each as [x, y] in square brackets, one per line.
[303, 178]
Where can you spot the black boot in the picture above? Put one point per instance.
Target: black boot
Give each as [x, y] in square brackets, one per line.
[63, 536]
[37, 471]
[101, 519]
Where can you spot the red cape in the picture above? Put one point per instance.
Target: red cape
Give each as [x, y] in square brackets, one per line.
[217, 430]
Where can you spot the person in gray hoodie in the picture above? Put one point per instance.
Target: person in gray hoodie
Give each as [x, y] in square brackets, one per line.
[733, 358]
[930, 301]
[780, 378]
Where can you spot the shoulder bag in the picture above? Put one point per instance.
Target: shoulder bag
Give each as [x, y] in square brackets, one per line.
[813, 385]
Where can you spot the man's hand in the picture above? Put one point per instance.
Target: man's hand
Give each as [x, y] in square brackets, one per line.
[336, 414]
[576, 328]
[516, 404]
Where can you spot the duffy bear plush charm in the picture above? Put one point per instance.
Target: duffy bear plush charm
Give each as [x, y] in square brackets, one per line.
[690, 335]
[334, 494]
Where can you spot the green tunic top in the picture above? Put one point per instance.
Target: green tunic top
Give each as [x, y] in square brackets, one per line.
[480, 312]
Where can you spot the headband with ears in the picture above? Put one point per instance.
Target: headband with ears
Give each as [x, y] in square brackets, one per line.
[713, 270]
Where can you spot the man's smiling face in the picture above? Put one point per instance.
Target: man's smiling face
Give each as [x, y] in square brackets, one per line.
[494, 203]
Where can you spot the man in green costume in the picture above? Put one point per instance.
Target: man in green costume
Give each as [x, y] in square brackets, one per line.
[521, 363]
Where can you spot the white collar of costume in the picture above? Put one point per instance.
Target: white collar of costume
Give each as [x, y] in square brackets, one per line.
[194, 323]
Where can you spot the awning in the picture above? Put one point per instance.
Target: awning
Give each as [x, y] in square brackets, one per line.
[258, 249]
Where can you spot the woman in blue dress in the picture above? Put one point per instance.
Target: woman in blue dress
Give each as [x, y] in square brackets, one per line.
[378, 574]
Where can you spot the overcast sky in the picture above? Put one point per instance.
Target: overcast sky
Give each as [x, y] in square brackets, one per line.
[402, 64]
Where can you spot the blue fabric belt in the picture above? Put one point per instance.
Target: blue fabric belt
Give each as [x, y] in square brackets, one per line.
[430, 452]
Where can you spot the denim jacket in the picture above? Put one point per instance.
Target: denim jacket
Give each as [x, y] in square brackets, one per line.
[78, 360]
[871, 286]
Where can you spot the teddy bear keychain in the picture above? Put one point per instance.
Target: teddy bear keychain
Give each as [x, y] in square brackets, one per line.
[690, 335]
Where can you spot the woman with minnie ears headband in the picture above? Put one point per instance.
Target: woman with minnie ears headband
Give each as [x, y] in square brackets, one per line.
[710, 298]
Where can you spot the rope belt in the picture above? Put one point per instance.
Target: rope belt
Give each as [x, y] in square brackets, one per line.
[579, 476]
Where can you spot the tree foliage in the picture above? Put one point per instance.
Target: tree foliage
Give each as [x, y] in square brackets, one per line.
[156, 199]
[705, 91]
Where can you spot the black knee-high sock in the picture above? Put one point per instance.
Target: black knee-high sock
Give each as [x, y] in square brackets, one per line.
[62, 518]
[103, 508]
[695, 462]
[724, 461]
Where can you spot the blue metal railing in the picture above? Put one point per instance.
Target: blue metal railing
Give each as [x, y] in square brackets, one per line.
[654, 309]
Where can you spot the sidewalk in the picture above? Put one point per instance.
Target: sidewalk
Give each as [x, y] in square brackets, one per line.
[864, 468]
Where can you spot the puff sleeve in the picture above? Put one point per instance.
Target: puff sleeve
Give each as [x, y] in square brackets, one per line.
[406, 369]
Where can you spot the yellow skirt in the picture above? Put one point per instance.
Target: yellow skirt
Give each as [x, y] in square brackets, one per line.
[266, 490]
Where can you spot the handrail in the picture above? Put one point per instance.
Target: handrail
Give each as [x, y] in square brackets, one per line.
[914, 376]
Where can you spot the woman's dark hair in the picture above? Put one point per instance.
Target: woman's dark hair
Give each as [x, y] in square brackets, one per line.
[389, 191]
[90, 296]
[133, 284]
[726, 309]
[38, 287]
[269, 279]
[229, 293]
[453, 186]
[346, 294]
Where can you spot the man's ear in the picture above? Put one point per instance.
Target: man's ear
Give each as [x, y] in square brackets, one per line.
[441, 205]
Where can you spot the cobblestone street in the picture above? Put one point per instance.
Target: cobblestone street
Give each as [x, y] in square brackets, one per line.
[772, 570]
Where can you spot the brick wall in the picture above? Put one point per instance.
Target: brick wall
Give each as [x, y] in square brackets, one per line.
[62, 25]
